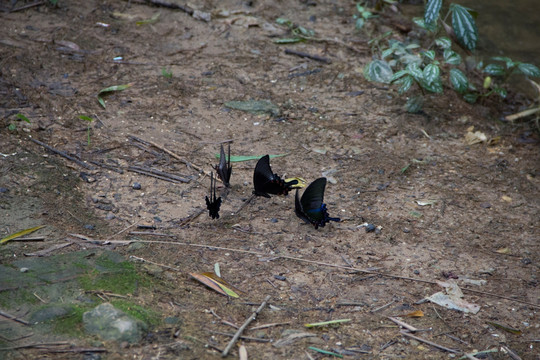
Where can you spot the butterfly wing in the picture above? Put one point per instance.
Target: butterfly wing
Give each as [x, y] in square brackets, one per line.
[262, 176]
[312, 200]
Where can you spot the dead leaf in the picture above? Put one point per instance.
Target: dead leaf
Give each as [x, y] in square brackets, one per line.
[216, 283]
[20, 233]
[453, 299]
[506, 198]
[505, 328]
[476, 137]
[504, 250]
[415, 314]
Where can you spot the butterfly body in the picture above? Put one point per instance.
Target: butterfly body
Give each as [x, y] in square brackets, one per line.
[310, 206]
[266, 182]
[213, 204]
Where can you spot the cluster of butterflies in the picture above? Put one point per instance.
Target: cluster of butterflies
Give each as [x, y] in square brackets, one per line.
[310, 207]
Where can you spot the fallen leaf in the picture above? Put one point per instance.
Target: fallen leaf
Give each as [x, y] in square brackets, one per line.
[216, 283]
[504, 250]
[505, 328]
[506, 198]
[415, 314]
[20, 233]
[453, 299]
[476, 137]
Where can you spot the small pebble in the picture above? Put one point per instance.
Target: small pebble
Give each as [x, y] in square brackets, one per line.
[110, 216]
[24, 269]
[280, 277]
[136, 186]
[406, 230]
[3, 190]
[89, 227]
[273, 220]
[370, 228]
[526, 261]
[416, 272]
[158, 219]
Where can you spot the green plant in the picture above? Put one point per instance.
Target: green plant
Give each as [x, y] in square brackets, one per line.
[89, 120]
[299, 33]
[427, 69]
[13, 126]
[166, 73]
[363, 15]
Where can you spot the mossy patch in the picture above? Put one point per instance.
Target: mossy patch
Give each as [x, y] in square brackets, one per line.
[148, 316]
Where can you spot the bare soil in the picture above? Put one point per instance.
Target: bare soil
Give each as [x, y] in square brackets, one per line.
[458, 210]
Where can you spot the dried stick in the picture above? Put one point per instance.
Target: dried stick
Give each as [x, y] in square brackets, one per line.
[322, 264]
[417, 338]
[306, 55]
[11, 317]
[268, 325]
[63, 154]
[153, 263]
[403, 324]
[158, 174]
[244, 326]
[24, 7]
[241, 337]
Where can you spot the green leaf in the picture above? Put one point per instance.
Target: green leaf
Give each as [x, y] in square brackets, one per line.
[378, 71]
[101, 101]
[326, 352]
[470, 97]
[115, 88]
[415, 72]
[502, 92]
[431, 13]
[240, 158]
[431, 73]
[288, 40]
[494, 69]
[420, 22]
[414, 105]
[434, 87]
[283, 21]
[398, 75]
[464, 26]
[12, 127]
[22, 117]
[386, 53]
[528, 70]
[359, 23]
[20, 233]
[451, 57]
[444, 42]
[86, 118]
[459, 80]
[509, 62]
[430, 54]
[406, 83]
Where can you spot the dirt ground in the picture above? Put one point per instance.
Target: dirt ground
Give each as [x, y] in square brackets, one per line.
[461, 211]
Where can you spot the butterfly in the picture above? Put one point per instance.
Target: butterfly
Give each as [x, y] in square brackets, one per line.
[266, 182]
[213, 204]
[224, 168]
[310, 207]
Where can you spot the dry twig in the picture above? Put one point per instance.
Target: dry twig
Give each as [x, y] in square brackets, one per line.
[243, 327]
[417, 338]
[64, 155]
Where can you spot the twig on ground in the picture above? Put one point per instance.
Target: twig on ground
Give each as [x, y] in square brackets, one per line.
[177, 157]
[244, 326]
[24, 7]
[241, 337]
[308, 56]
[63, 154]
[37, 238]
[265, 326]
[153, 263]
[383, 307]
[49, 250]
[37, 345]
[150, 233]
[14, 318]
[192, 217]
[403, 324]
[510, 352]
[158, 174]
[223, 321]
[417, 338]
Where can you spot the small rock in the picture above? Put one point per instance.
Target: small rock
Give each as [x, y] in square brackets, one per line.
[110, 323]
[370, 228]
[24, 269]
[110, 216]
[524, 261]
[3, 190]
[136, 186]
[280, 277]
[416, 272]
[406, 230]
[273, 220]
[89, 227]
[485, 205]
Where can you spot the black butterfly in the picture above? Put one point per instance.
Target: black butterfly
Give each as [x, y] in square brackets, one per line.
[213, 204]
[266, 182]
[310, 207]
[224, 168]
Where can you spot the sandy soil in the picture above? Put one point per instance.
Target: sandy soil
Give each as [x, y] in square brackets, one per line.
[458, 210]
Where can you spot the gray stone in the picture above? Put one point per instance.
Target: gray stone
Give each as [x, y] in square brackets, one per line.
[110, 323]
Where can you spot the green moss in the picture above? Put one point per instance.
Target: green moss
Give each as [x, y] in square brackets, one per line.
[71, 324]
[148, 316]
